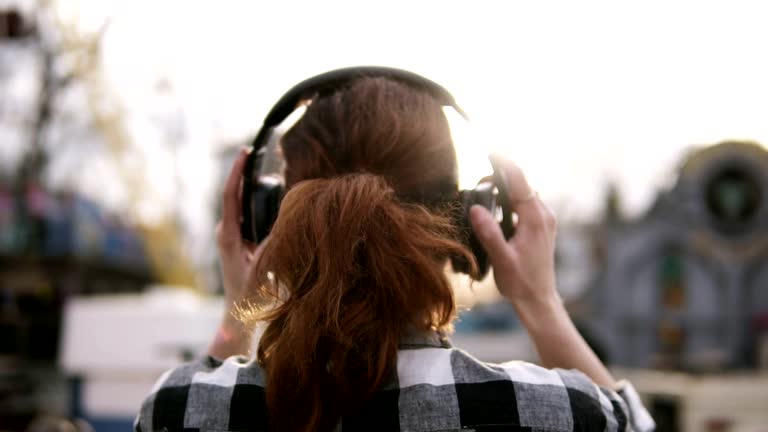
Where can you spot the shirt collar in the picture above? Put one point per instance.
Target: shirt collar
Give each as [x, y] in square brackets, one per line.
[432, 339]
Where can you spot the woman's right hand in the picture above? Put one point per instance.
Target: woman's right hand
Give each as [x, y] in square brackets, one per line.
[236, 255]
[236, 258]
[523, 266]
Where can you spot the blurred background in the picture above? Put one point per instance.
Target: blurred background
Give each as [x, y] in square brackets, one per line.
[642, 125]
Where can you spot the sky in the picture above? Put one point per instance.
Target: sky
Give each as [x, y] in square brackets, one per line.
[578, 93]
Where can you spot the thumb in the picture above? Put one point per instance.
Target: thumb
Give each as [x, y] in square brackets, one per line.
[488, 232]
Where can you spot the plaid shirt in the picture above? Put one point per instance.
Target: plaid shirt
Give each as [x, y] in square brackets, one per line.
[437, 388]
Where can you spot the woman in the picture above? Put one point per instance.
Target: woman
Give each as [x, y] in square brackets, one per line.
[360, 307]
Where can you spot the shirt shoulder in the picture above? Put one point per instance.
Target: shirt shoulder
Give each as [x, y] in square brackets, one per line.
[448, 389]
[519, 395]
[207, 394]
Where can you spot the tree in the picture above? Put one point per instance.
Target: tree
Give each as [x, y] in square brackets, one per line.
[76, 113]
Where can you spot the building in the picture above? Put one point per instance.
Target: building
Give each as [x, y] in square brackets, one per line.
[53, 247]
[683, 287]
[680, 301]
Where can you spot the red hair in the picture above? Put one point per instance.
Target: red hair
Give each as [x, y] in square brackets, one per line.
[358, 251]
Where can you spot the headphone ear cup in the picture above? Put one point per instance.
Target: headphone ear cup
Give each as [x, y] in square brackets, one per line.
[482, 195]
[264, 205]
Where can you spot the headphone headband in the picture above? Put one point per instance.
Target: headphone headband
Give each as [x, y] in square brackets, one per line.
[333, 80]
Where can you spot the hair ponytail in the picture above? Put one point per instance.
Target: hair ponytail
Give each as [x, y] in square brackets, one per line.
[354, 268]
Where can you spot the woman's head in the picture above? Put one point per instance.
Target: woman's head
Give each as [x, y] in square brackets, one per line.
[376, 126]
[357, 253]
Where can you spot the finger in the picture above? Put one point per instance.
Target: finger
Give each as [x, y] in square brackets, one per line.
[489, 233]
[550, 219]
[517, 185]
[531, 211]
[534, 217]
[231, 207]
[220, 239]
[239, 200]
[226, 242]
[252, 250]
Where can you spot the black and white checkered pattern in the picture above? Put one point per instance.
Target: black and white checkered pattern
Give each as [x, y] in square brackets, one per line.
[437, 388]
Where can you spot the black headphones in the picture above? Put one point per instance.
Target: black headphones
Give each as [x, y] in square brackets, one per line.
[262, 194]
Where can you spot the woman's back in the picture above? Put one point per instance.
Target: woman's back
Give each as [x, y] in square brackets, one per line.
[436, 388]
